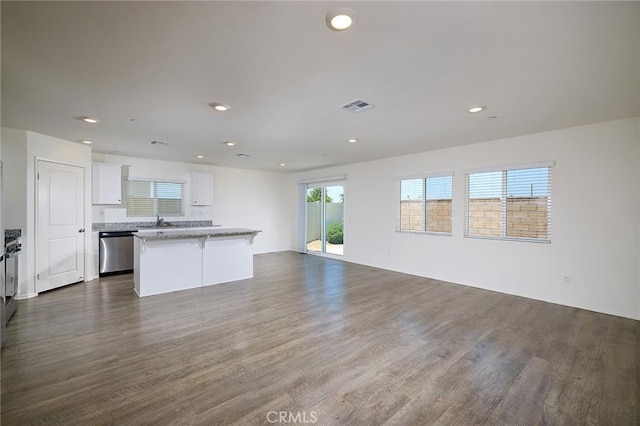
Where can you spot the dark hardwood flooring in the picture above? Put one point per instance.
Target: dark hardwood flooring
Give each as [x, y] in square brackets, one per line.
[327, 340]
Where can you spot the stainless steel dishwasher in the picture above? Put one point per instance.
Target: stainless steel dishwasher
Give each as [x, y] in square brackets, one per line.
[116, 252]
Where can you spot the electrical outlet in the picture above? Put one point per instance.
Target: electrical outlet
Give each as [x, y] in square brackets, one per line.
[566, 279]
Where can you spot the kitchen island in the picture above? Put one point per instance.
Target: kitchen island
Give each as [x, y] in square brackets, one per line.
[166, 261]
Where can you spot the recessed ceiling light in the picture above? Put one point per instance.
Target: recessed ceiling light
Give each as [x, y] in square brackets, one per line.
[87, 142]
[91, 120]
[219, 107]
[282, 164]
[229, 143]
[340, 19]
[477, 108]
[352, 140]
[199, 156]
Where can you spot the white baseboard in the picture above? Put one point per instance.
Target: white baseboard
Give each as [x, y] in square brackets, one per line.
[25, 296]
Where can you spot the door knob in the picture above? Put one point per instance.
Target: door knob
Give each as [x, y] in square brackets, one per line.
[81, 230]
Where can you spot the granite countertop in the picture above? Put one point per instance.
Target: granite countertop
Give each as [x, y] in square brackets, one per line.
[134, 226]
[12, 234]
[205, 233]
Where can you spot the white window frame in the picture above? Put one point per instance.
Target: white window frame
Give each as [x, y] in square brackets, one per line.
[503, 202]
[155, 199]
[398, 201]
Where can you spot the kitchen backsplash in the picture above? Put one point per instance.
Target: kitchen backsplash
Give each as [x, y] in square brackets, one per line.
[111, 214]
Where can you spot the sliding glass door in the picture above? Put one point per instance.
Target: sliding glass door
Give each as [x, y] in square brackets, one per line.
[325, 218]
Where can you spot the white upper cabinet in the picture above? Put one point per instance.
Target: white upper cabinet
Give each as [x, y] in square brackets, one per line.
[201, 189]
[107, 183]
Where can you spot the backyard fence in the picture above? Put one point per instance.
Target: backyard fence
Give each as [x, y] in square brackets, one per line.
[526, 217]
[334, 212]
[438, 215]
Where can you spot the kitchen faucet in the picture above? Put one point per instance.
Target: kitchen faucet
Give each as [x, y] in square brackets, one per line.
[159, 221]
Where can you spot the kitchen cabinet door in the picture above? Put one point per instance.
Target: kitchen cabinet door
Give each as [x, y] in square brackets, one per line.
[107, 183]
[201, 189]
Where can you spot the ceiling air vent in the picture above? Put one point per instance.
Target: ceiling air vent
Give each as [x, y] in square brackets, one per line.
[241, 155]
[159, 143]
[357, 105]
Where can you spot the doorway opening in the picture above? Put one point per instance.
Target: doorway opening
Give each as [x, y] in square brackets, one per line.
[325, 218]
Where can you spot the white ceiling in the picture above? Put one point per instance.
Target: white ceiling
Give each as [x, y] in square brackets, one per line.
[538, 66]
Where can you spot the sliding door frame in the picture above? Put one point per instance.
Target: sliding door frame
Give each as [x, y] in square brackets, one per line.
[323, 214]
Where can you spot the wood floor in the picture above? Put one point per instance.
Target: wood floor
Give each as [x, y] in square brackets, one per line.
[316, 339]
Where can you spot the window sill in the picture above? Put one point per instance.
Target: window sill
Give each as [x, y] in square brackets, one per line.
[522, 240]
[441, 234]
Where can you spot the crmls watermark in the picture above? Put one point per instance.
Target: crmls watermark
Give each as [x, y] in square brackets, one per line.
[299, 417]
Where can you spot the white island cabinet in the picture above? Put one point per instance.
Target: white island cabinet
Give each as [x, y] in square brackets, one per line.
[166, 261]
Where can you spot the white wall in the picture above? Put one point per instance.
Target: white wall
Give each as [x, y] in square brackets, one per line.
[241, 198]
[23, 149]
[14, 152]
[596, 244]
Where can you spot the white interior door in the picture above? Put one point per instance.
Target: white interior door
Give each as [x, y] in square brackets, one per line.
[60, 231]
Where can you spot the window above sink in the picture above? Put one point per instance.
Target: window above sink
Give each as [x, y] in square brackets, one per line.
[152, 198]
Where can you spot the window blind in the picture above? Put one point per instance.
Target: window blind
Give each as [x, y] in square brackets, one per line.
[151, 198]
[424, 204]
[512, 204]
